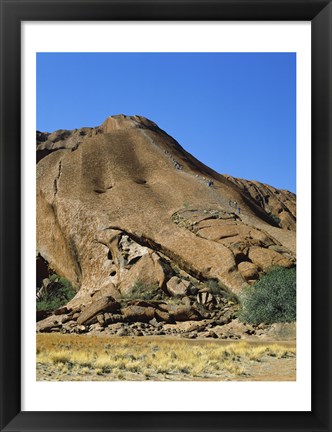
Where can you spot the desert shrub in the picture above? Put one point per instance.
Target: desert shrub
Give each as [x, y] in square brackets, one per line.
[217, 289]
[61, 280]
[271, 299]
[142, 291]
[275, 219]
[214, 287]
[60, 292]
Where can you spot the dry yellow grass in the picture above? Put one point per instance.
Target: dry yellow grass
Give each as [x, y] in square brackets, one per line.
[150, 359]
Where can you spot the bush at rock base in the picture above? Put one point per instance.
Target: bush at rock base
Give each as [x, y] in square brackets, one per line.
[142, 291]
[271, 299]
[57, 297]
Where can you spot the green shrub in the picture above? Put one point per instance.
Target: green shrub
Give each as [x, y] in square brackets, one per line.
[217, 289]
[142, 291]
[271, 299]
[276, 219]
[59, 296]
[214, 287]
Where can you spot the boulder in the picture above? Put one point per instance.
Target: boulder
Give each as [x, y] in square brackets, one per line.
[282, 331]
[65, 319]
[189, 326]
[138, 313]
[248, 270]
[105, 304]
[148, 271]
[266, 258]
[62, 311]
[186, 301]
[113, 318]
[101, 319]
[115, 327]
[183, 313]
[177, 287]
[48, 323]
[108, 290]
[155, 323]
[280, 249]
[142, 303]
[81, 329]
[161, 315]
[122, 332]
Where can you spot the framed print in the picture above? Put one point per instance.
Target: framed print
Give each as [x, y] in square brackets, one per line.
[154, 300]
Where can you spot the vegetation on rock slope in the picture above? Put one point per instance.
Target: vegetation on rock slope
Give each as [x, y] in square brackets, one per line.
[60, 295]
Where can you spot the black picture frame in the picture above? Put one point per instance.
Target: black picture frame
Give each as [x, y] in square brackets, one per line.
[13, 12]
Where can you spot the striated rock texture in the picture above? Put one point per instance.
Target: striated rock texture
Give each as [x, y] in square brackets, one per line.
[280, 204]
[124, 203]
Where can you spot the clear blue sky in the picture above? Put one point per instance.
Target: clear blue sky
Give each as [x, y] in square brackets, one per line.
[236, 112]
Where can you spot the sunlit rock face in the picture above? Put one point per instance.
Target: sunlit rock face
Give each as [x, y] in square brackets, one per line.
[124, 202]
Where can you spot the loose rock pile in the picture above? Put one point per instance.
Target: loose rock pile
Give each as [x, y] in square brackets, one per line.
[178, 316]
[183, 316]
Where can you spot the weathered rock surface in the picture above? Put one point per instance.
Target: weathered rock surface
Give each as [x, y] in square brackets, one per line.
[248, 270]
[124, 202]
[138, 313]
[147, 270]
[177, 286]
[280, 204]
[104, 304]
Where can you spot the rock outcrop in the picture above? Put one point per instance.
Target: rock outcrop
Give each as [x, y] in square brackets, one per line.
[280, 204]
[123, 206]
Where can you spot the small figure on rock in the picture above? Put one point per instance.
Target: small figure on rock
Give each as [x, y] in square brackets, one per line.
[177, 165]
[232, 203]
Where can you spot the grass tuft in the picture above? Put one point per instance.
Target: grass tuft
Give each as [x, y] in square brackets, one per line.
[119, 358]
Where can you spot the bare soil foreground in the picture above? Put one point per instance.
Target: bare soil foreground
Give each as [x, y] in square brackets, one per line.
[62, 357]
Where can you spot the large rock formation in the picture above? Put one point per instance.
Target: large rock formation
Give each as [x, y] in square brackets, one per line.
[124, 204]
